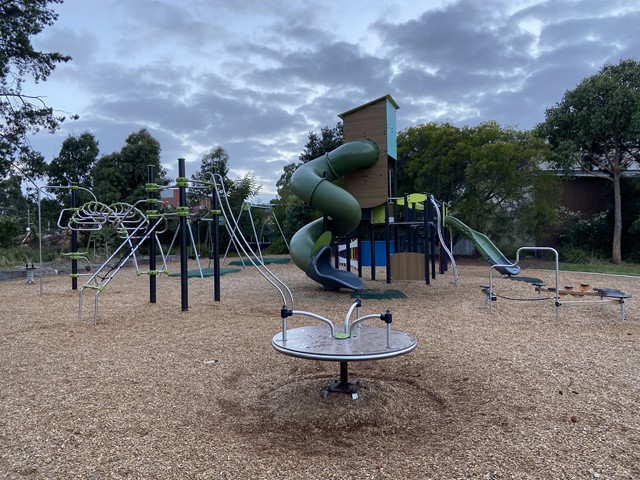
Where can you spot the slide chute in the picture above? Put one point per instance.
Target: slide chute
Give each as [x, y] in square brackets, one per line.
[310, 247]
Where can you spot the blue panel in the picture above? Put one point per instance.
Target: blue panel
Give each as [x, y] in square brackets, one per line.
[381, 254]
[392, 146]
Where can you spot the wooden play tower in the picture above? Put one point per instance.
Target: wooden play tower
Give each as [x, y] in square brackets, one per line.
[373, 187]
[375, 121]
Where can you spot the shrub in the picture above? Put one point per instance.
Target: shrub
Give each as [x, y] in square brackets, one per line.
[588, 234]
[9, 229]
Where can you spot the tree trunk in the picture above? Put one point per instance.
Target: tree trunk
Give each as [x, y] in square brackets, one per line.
[616, 254]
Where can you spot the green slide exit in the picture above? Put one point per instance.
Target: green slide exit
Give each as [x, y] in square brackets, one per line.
[484, 246]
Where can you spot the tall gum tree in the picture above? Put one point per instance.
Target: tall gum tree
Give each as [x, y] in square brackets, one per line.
[73, 165]
[596, 126]
[24, 113]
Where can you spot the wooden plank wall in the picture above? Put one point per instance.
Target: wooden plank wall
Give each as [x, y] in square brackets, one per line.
[369, 186]
[407, 266]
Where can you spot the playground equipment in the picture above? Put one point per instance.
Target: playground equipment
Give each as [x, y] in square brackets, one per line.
[485, 246]
[74, 255]
[176, 235]
[133, 227]
[310, 246]
[39, 195]
[356, 342]
[258, 237]
[417, 227]
[311, 251]
[367, 162]
[29, 269]
[585, 294]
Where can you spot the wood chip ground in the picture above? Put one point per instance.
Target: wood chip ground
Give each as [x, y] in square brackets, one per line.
[154, 392]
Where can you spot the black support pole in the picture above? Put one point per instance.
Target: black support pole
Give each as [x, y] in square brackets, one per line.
[216, 243]
[151, 207]
[387, 240]
[429, 240]
[359, 255]
[183, 211]
[344, 375]
[373, 247]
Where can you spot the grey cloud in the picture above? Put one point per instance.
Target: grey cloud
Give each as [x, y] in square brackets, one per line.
[81, 46]
[232, 118]
[333, 65]
[150, 24]
[259, 93]
[609, 32]
[464, 33]
[554, 11]
[171, 115]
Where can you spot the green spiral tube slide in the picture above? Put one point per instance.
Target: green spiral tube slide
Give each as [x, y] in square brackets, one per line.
[312, 183]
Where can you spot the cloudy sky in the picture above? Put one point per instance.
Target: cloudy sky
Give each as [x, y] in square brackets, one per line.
[256, 76]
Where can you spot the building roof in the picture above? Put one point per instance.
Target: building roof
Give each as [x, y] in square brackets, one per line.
[372, 102]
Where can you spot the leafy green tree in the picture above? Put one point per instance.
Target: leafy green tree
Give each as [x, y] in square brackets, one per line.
[107, 178]
[500, 178]
[122, 176]
[238, 190]
[10, 228]
[22, 114]
[318, 145]
[596, 127]
[12, 200]
[73, 165]
[214, 161]
[490, 175]
[432, 158]
[283, 185]
[243, 189]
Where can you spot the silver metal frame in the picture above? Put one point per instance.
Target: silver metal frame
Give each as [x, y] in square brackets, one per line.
[350, 330]
[558, 303]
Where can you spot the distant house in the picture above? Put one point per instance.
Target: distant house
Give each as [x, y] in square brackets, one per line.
[585, 194]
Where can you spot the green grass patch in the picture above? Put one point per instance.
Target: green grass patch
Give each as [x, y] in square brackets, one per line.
[20, 255]
[206, 272]
[266, 261]
[632, 269]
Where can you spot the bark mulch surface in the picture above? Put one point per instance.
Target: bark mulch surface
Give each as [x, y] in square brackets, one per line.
[154, 392]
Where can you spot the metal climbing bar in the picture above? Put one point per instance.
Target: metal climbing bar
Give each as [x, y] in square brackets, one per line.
[108, 270]
[236, 234]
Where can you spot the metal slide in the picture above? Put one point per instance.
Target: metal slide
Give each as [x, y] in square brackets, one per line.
[310, 247]
[484, 246]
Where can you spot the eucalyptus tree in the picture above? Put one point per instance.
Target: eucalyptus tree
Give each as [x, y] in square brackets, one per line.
[596, 127]
[24, 113]
[73, 165]
[122, 176]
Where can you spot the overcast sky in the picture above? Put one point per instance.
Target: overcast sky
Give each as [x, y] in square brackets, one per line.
[255, 77]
